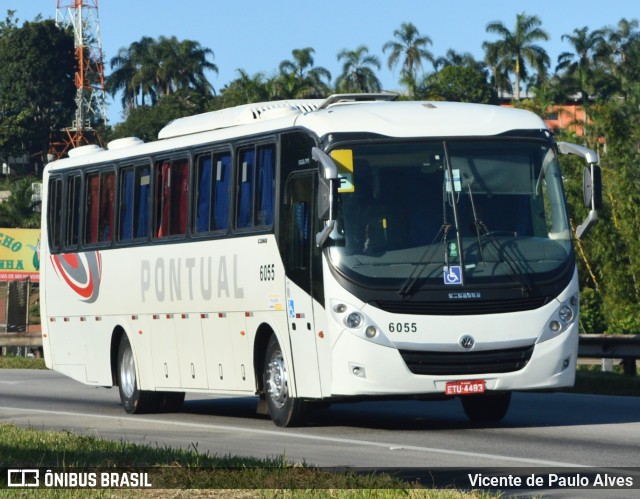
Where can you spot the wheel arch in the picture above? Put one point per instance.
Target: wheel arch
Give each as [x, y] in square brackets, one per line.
[263, 333]
[116, 337]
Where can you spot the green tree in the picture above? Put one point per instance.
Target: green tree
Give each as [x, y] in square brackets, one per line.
[579, 67]
[358, 73]
[300, 79]
[245, 89]
[149, 69]
[620, 53]
[181, 65]
[517, 48]
[133, 74]
[37, 89]
[20, 209]
[411, 48]
[458, 84]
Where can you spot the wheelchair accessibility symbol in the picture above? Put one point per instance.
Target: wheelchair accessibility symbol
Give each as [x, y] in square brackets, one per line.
[453, 275]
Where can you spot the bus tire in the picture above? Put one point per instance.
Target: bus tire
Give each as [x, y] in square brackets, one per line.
[486, 408]
[171, 401]
[134, 400]
[283, 409]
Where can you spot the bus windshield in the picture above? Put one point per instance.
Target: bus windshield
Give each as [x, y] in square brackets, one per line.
[446, 213]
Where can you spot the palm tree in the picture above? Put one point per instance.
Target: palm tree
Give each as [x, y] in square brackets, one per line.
[517, 48]
[181, 65]
[245, 89]
[409, 46]
[621, 53]
[132, 74]
[357, 73]
[300, 79]
[578, 67]
[151, 68]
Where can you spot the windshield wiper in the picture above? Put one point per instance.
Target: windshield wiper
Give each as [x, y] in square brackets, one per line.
[409, 283]
[501, 249]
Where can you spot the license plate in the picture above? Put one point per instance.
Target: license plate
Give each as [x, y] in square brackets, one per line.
[471, 387]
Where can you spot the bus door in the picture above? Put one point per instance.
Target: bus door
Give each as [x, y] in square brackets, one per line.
[297, 238]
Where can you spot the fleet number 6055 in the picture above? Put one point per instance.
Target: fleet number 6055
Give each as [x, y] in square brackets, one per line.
[403, 327]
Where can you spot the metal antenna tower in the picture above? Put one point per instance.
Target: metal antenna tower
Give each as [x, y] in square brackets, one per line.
[82, 17]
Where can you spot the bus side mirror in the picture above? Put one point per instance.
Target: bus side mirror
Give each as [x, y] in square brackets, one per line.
[592, 194]
[327, 190]
[591, 185]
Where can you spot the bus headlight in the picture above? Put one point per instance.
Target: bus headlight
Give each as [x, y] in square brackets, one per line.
[565, 313]
[561, 319]
[354, 320]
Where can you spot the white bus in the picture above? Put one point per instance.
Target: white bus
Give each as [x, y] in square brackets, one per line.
[311, 252]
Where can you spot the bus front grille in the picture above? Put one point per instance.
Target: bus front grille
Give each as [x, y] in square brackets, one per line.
[461, 363]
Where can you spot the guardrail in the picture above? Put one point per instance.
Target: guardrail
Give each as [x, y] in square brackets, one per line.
[595, 346]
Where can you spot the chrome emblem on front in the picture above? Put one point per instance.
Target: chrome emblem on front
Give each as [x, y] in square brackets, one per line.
[467, 342]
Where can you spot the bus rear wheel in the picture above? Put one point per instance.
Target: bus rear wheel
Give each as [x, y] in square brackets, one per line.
[486, 408]
[284, 410]
[134, 400]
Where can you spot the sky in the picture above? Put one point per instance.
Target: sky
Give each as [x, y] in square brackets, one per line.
[257, 35]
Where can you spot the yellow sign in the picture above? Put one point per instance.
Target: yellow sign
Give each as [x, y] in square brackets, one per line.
[344, 160]
[19, 254]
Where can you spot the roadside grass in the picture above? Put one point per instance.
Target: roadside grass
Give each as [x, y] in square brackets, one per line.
[590, 379]
[174, 470]
[14, 362]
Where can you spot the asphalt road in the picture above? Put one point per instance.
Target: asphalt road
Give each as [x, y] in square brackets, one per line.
[542, 430]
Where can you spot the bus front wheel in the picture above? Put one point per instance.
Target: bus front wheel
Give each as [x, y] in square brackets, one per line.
[284, 410]
[486, 408]
[134, 400]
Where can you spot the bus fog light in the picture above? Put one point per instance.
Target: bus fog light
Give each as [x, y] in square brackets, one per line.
[555, 326]
[354, 320]
[565, 313]
[371, 331]
[340, 308]
[574, 300]
[566, 363]
[357, 370]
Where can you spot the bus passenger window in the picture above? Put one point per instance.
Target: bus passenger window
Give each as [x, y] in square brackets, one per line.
[266, 185]
[100, 215]
[255, 188]
[73, 211]
[244, 192]
[134, 203]
[212, 191]
[54, 218]
[172, 184]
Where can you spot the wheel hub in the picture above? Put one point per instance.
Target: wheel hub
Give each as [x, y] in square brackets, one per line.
[128, 374]
[277, 380]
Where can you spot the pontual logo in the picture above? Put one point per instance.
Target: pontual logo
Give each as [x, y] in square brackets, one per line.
[81, 271]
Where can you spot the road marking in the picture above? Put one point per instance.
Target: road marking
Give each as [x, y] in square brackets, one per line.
[304, 436]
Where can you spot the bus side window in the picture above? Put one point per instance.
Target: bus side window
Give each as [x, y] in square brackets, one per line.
[73, 203]
[266, 185]
[54, 219]
[134, 203]
[244, 189]
[212, 191]
[255, 187]
[172, 184]
[100, 214]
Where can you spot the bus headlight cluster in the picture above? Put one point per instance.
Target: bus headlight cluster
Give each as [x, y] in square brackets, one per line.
[563, 317]
[357, 322]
